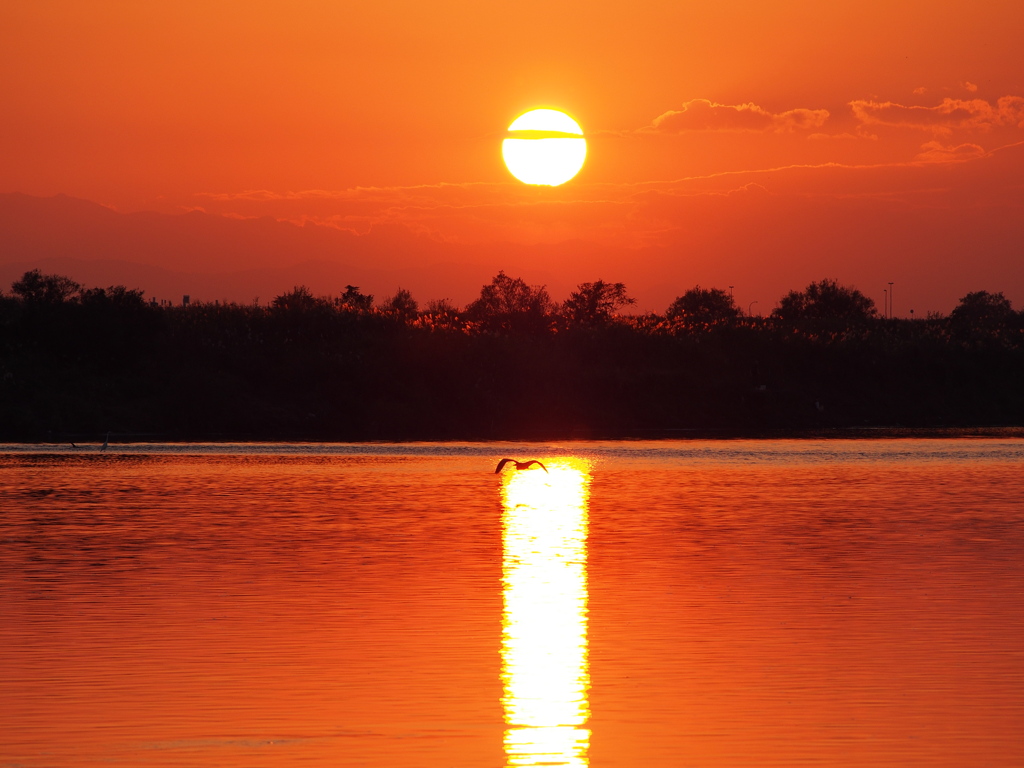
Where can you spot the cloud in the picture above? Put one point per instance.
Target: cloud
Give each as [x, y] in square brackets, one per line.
[970, 86]
[949, 115]
[633, 214]
[352, 193]
[844, 135]
[935, 152]
[705, 115]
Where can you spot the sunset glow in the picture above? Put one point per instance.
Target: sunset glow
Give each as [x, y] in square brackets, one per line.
[545, 669]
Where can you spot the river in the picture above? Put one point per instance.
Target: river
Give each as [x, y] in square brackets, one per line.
[663, 603]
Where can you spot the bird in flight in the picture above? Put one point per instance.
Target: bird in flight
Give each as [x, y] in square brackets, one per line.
[519, 464]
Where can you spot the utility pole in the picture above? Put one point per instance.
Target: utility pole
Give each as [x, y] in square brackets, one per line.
[885, 302]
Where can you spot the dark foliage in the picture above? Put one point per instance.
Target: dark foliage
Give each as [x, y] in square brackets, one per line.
[77, 363]
[299, 299]
[982, 316]
[402, 305]
[37, 288]
[355, 301]
[703, 307]
[826, 306]
[509, 304]
[594, 304]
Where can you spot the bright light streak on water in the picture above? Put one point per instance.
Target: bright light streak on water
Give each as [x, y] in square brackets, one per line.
[545, 669]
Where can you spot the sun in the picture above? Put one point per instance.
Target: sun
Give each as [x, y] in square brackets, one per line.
[544, 147]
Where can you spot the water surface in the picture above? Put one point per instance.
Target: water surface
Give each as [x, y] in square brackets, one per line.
[729, 603]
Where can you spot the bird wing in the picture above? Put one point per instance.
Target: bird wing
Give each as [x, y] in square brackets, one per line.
[534, 461]
[502, 463]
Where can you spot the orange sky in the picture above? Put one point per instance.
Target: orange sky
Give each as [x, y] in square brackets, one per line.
[901, 118]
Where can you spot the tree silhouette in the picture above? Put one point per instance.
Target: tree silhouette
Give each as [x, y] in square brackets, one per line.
[710, 306]
[981, 315]
[116, 296]
[439, 315]
[36, 288]
[354, 301]
[826, 305]
[509, 304]
[401, 305]
[299, 299]
[441, 307]
[982, 309]
[594, 303]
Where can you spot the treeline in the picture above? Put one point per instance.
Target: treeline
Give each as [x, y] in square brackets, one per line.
[77, 363]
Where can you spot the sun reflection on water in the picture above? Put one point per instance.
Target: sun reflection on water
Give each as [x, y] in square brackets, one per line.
[545, 670]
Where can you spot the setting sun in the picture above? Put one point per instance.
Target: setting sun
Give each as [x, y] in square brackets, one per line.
[544, 147]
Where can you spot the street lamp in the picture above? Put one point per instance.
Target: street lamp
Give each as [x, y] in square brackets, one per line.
[890, 298]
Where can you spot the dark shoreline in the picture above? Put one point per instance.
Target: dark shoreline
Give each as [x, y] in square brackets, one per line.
[661, 435]
[104, 362]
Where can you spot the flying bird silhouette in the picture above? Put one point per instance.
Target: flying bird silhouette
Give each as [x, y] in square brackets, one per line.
[519, 464]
